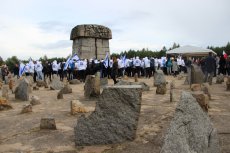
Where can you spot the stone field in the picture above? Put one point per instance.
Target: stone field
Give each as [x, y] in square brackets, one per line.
[21, 132]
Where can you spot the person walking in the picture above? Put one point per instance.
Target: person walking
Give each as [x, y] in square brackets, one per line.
[209, 68]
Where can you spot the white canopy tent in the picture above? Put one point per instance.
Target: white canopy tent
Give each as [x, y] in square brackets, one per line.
[190, 51]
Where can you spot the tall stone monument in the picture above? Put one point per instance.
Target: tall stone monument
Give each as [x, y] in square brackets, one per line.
[90, 41]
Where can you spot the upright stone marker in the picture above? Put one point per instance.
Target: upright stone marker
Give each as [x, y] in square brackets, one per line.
[56, 84]
[22, 90]
[5, 92]
[92, 86]
[91, 40]
[197, 76]
[115, 117]
[159, 78]
[191, 130]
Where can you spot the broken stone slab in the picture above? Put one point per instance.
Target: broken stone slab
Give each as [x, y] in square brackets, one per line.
[26, 109]
[125, 77]
[22, 90]
[180, 77]
[5, 92]
[48, 123]
[135, 77]
[228, 84]
[191, 130]
[4, 105]
[35, 88]
[56, 84]
[77, 107]
[92, 86]
[66, 89]
[144, 86]
[11, 85]
[219, 79]
[75, 81]
[161, 89]
[35, 100]
[41, 83]
[205, 87]
[59, 95]
[172, 84]
[159, 78]
[104, 81]
[172, 98]
[202, 99]
[115, 117]
[196, 87]
[186, 81]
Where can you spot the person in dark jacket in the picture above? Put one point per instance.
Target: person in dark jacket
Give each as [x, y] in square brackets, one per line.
[16, 70]
[114, 70]
[209, 68]
[222, 64]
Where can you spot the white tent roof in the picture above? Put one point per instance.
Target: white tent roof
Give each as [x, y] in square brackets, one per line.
[190, 51]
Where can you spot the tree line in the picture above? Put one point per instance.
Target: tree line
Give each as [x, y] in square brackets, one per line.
[145, 52]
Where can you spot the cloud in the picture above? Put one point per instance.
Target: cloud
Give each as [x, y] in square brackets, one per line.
[54, 45]
[54, 26]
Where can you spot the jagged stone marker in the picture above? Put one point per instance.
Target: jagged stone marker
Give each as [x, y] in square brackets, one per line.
[115, 117]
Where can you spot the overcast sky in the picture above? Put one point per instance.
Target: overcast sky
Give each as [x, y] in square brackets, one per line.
[34, 28]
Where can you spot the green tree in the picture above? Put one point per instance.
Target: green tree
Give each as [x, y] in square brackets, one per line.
[1, 61]
[10, 62]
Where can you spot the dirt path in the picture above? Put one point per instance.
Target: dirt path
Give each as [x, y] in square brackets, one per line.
[20, 133]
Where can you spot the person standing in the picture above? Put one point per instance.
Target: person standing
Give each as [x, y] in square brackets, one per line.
[222, 65]
[38, 68]
[228, 65]
[147, 67]
[16, 70]
[114, 70]
[209, 68]
[175, 67]
[169, 66]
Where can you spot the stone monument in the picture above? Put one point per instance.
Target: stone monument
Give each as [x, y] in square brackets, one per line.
[90, 41]
[115, 117]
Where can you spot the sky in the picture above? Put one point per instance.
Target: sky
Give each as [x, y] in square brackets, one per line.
[34, 28]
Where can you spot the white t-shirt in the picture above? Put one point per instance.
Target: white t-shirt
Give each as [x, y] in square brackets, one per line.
[147, 62]
[137, 62]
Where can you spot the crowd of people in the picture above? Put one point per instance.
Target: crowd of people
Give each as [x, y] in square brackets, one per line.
[118, 67]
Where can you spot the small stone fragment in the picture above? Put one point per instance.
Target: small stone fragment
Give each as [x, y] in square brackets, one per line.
[26, 109]
[35, 100]
[48, 123]
[161, 89]
[59, 95]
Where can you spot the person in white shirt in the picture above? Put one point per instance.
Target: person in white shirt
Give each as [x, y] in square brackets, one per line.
[27, 69]
[137, 63]
[55, 67]
[147, 67]
[81, 66]
[179, 64]
[38, 69]
[120, 67]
